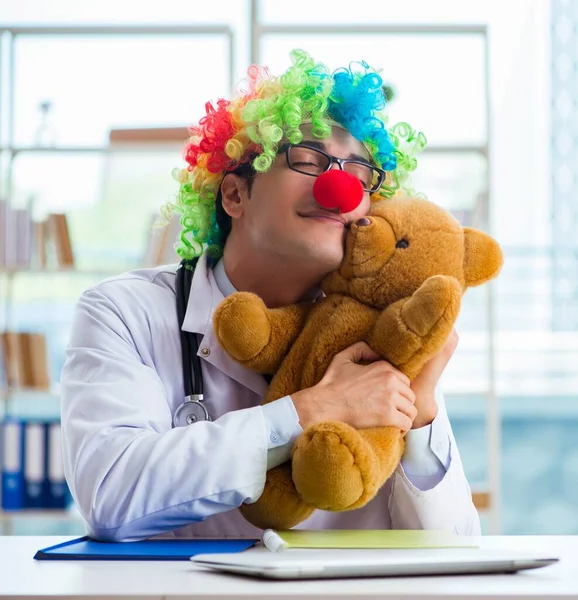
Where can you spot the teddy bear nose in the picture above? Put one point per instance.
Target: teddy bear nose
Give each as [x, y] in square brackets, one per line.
[363, 222]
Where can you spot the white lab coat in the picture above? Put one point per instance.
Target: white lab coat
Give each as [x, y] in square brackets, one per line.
[133, 475]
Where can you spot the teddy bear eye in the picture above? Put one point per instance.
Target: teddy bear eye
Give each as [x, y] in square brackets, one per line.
[402, 244]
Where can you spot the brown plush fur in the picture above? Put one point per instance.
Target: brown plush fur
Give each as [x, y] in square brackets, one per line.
[402, 301]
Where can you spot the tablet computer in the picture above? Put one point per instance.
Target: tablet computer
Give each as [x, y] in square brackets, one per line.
[313, 564]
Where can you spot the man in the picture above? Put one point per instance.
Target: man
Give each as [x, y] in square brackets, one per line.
[133, 474]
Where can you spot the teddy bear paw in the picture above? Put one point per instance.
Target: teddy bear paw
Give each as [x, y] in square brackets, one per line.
[279, 506]
[242, 325]
[435, 304]
[334, 467]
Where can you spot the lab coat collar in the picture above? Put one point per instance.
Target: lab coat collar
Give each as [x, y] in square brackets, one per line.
[204, 298]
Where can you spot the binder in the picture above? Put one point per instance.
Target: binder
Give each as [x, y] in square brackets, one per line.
[85, 548]
[34, 465]
[56, 494]
[12, 465]
[31, 465]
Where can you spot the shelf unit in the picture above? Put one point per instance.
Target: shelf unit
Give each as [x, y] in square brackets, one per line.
[121, 141]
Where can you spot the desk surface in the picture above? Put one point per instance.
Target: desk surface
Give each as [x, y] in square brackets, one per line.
[23, 577]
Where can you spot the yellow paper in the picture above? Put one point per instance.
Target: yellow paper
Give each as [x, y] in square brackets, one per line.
[364, 538]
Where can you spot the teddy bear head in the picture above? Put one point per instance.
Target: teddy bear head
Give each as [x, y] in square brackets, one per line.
[401, 243]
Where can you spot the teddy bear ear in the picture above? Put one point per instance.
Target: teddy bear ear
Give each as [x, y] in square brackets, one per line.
[483, 257]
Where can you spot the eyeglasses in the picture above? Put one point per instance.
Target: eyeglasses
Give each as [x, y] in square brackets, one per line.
[313, 161]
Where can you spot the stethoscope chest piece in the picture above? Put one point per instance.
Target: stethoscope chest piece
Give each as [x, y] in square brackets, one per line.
[191, 411]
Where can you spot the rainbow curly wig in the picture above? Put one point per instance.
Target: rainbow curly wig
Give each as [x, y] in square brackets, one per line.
[251, 127]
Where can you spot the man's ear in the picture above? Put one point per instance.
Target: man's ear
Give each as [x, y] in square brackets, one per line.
[483, 257]
[234, 194]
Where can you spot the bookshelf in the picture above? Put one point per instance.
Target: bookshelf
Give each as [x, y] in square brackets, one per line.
[26, 399]
[46, 260]
[29, 393]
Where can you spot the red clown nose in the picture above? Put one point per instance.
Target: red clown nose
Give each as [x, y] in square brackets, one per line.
[338, 189]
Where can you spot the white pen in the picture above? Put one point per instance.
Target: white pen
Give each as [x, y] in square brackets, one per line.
[273, 541]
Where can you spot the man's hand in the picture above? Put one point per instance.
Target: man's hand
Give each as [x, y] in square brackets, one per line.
[425, 383]
[361, 395]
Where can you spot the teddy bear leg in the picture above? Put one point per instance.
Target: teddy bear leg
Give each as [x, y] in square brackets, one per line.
[254, 335]
[388, 444]
[336, 467]
[279, 506]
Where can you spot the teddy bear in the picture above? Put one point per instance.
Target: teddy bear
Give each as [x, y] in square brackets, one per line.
[399, 288]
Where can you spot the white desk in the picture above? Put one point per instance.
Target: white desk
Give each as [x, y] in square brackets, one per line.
[23, 577]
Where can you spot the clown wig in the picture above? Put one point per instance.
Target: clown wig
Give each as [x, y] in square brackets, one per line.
[244, 134]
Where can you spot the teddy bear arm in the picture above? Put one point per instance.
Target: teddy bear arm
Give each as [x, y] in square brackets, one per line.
[285, 325]
[254, 335]
[392, 338]
[411, 331]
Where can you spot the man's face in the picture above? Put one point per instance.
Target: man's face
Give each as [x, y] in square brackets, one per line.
[282, 217]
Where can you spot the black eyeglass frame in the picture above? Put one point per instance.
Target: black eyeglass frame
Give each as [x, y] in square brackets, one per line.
[286, 148]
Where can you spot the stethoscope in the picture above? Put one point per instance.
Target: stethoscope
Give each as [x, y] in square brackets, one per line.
[193, 409]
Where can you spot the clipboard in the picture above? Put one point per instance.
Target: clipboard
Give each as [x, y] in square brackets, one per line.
[279, 540]
[85, 548]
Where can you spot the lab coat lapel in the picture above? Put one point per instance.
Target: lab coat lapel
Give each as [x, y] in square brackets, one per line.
[222, 361]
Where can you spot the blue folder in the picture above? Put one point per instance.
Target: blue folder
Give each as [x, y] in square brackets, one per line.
[85, 548]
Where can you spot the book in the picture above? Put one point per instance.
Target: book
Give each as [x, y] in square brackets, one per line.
[59, 232]
[12, 358]
[39, 235]
[26, 377]
[16, 236]
[38, 361]
[31, 465]
[12, 468]
[24, 360]
[279, 540]
[56, 491]
[34, 465]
